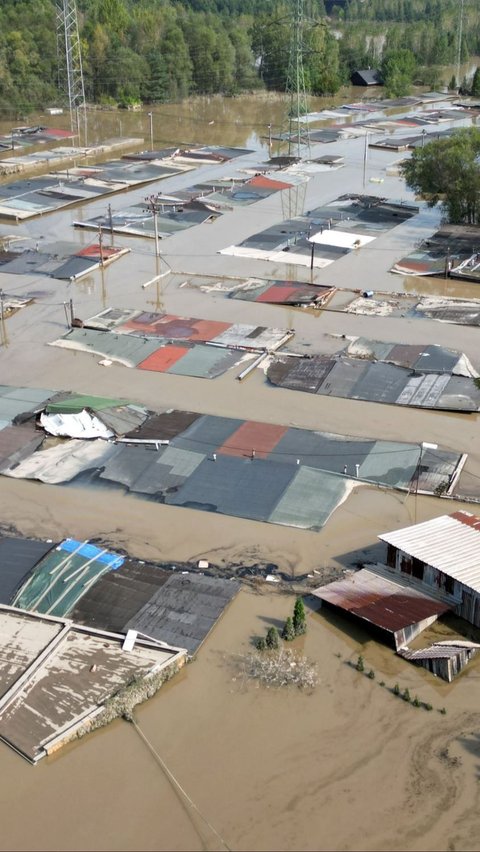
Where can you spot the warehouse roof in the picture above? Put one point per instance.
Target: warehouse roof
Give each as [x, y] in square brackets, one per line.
[450, 543]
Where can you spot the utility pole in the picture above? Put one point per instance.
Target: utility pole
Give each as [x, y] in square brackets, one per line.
[102, 265]
[365, 159]
[100, 244]
[110, 222]
[150, 115]
[153, 206]
[2, 318]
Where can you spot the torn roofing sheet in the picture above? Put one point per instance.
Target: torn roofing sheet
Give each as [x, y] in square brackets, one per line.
[63, 462]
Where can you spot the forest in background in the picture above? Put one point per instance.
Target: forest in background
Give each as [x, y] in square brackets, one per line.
[154, 51]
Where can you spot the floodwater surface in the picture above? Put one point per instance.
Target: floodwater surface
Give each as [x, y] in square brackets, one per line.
[349, 766]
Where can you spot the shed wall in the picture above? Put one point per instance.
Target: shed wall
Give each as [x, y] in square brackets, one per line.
[465, 600]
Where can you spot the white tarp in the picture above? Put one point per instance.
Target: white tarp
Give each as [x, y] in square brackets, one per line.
[82, 425]
[342, 239]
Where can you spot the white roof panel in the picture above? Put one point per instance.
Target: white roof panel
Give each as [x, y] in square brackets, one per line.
[450, 543]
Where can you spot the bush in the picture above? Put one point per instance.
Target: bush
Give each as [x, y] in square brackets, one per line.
[396, 689]
[360, 665]
[443, 711]
[382, 683]
[272, 639]
[406, 695]
[416, 701]
[260, 643]
[288, 632]
[427, 706]
[371, 674]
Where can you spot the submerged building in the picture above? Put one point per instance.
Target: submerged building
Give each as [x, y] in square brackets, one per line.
[442, 555]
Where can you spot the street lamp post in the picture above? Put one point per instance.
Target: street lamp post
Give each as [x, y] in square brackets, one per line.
[423, 446]
[150, 115]
[424, 133]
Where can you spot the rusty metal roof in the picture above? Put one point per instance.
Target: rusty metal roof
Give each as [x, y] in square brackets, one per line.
[449, 543]
[383, 601]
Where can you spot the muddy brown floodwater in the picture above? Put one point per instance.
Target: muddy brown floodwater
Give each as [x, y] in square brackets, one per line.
[349, 766]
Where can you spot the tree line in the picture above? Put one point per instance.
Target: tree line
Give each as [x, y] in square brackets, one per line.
[163, 50]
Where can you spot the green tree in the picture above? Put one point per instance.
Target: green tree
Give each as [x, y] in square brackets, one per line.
[299, 617]
[447, 172]
[288, 632]
[475, 90]
[156, 87]
[398, 67]
[272, 639]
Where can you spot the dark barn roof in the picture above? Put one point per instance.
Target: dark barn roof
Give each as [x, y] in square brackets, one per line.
[367, 77]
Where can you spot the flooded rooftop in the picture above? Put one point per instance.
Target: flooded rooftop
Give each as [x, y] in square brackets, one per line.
[56, 677]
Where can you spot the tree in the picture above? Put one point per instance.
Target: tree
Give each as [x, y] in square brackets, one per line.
[155, 88]
[475, 91]
[398, 67]
[272, 640]
[288, 632]
[299, 617]
[447, 171]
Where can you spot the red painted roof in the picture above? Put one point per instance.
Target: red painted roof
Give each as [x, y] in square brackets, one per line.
[261, 437]
[267, 183]
[94, 251]
[164, 358]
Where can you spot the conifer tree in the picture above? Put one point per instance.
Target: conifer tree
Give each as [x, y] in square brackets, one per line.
[272, 640]
[299, 617]
[288, 632]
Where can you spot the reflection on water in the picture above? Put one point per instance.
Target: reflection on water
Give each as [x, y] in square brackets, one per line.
[447, 287]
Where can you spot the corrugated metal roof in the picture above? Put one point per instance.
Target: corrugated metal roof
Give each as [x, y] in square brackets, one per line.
[383, 601]
[18, 556]
[186, 608]
[450, 543]
[74, 403]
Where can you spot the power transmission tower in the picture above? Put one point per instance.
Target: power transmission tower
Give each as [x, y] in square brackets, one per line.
[296, 83]
[70, 65]
[459, 45]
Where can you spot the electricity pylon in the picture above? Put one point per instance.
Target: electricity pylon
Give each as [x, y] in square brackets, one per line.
[70, 65]
[296, 83]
